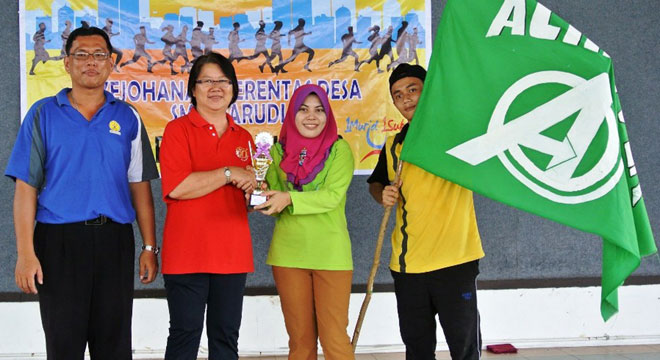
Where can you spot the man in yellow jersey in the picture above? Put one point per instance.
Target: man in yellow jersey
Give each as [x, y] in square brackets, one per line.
[435, 243]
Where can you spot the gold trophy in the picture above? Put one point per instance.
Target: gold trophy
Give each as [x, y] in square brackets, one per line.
[261, 160]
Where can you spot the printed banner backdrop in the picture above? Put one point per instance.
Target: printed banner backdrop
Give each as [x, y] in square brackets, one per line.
[531, 118]
[345, 46]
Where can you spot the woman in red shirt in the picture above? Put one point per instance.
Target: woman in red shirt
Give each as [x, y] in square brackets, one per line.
[207, 249]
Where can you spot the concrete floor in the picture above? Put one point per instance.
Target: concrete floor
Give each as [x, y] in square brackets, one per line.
[635, 352]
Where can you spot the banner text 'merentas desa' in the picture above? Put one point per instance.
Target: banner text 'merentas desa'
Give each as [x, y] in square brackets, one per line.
[259, 101]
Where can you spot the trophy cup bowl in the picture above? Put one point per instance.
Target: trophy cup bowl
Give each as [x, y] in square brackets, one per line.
[261, 160]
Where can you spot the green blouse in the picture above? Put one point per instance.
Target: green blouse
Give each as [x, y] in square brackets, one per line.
[312, 233]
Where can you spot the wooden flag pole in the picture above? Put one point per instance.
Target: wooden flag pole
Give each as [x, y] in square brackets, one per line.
[374, 266]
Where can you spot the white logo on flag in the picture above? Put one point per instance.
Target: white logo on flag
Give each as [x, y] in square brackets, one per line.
[592, 99]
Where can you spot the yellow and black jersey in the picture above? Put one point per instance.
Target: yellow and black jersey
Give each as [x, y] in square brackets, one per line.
[436, 226]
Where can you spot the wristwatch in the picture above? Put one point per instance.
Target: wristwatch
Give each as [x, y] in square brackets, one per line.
[228, 174]
[153, 249]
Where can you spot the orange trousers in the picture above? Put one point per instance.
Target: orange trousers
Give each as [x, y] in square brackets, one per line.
[315, 306]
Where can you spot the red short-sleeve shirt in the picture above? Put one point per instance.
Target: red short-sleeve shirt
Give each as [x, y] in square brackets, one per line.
[209, 234]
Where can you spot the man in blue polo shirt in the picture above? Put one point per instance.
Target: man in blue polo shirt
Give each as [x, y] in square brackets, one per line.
[82, 165]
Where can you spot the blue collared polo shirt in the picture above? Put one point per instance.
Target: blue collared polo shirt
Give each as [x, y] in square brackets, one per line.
[81, 169]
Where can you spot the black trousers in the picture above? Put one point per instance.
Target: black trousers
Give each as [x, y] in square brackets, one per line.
[451, 294]
[87, 294]
[187, 297]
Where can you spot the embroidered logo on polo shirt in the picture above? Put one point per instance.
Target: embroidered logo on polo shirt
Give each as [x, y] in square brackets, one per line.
[242, 153]
[114, 127]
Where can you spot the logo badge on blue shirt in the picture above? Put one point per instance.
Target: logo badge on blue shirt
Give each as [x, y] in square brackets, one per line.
[115, 128]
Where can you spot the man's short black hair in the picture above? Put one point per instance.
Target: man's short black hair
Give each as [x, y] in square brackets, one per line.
[226, 67]
[87, 31]
[407, 70]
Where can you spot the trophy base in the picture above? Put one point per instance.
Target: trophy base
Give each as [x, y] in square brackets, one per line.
[257, 199]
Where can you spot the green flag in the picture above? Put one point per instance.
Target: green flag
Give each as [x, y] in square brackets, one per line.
[521, 107]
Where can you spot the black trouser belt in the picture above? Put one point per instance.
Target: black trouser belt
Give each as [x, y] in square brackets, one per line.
[101, 220]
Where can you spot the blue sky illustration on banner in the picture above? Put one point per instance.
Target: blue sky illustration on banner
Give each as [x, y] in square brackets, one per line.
[126, 16]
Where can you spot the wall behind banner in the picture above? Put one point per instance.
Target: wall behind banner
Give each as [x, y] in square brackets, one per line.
[522, 250]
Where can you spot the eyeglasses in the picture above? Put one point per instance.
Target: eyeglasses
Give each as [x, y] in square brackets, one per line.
[207, 83]
[82, 56]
